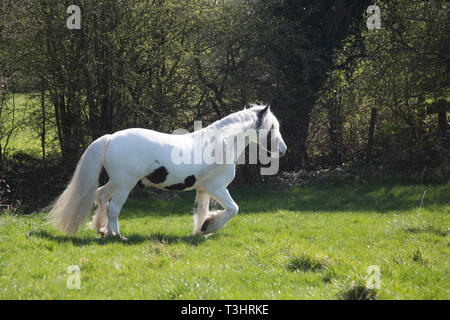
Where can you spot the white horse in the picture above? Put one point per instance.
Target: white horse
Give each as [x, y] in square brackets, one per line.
[139, 154]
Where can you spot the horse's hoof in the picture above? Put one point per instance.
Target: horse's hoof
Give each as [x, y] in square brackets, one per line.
[110, 235]
[103, 231]
[205, 225]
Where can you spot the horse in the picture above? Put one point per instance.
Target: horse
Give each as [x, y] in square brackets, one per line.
[136, 154]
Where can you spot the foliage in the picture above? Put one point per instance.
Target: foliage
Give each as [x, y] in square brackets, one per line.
[344, 94]
[395, 79]
[162, 64]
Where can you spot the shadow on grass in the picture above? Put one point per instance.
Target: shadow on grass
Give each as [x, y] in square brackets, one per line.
[325, 197]
[339, 197]
[154, 207]
[132, 239]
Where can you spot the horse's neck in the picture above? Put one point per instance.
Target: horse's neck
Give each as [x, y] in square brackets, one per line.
[225, 134]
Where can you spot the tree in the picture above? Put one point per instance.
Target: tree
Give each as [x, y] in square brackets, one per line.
[297, 39]
[389, 82]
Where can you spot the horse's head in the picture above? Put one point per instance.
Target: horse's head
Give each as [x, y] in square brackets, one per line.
[269, 130]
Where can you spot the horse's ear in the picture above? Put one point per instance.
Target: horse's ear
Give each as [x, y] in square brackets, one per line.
[264, 111]
[261, 115]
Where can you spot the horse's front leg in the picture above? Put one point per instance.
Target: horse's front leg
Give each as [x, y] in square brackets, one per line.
[216, 220]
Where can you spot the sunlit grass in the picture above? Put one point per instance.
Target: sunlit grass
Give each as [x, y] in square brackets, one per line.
[309, 242]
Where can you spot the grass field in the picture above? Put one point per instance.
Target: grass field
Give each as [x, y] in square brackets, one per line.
[300, 242]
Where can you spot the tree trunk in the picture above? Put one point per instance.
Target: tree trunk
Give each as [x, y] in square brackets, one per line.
[443, 127]
[295, 134]
[335, 132]
[44, 119]
[373, 116]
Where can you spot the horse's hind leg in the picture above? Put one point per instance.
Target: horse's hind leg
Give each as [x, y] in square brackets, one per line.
[115, 205]
[102, 196]
[202, 199]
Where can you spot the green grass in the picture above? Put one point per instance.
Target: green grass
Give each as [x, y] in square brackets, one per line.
[304, 242]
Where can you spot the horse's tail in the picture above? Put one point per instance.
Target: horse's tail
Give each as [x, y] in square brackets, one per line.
[74, 205]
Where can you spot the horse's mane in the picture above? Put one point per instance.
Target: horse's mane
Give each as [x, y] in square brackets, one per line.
[232, 125]
[247, 117]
